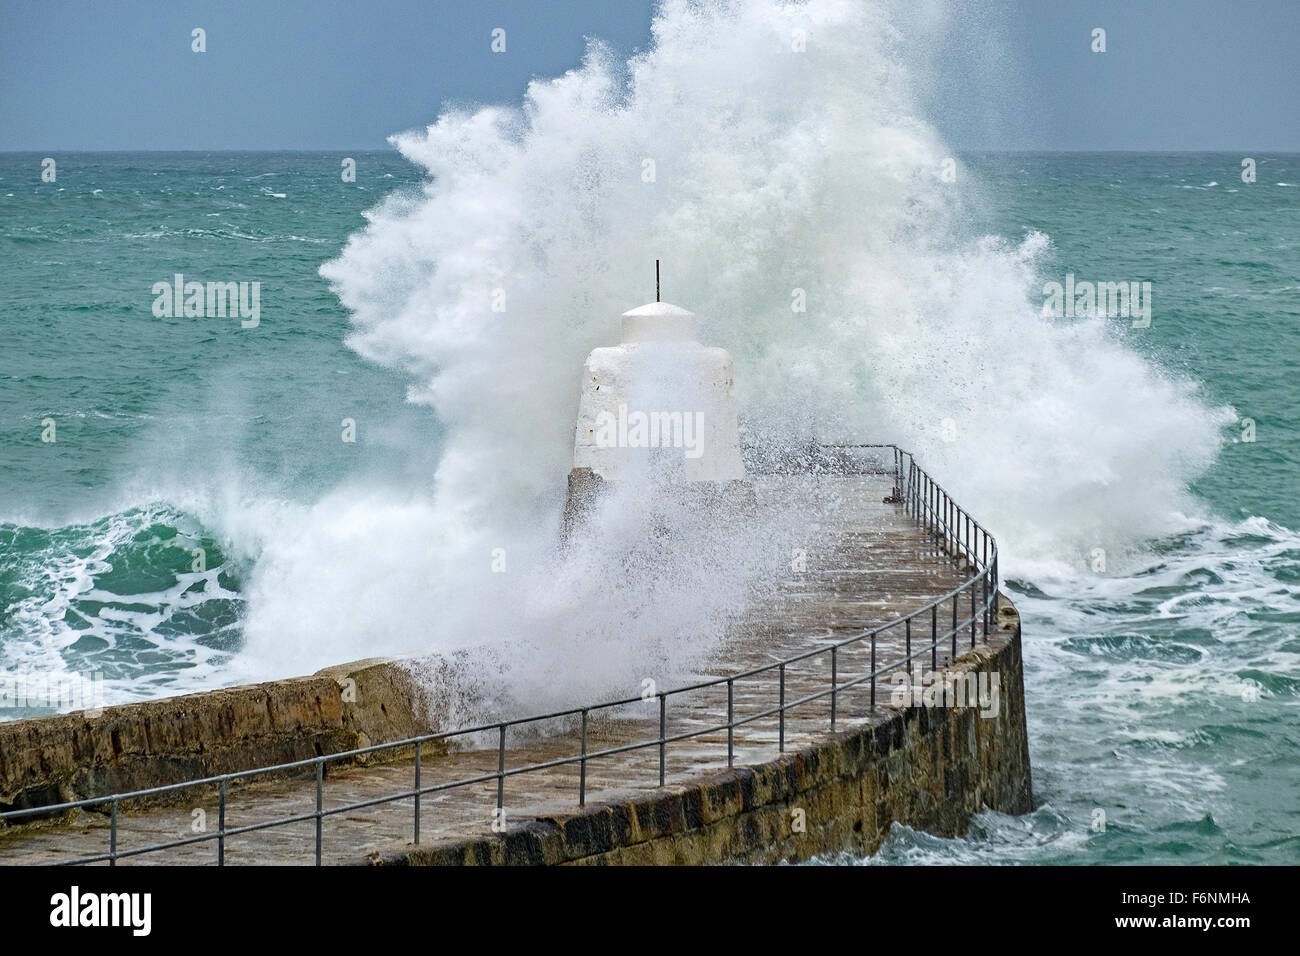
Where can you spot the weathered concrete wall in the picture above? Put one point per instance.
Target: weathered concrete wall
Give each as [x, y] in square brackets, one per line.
[928, 768]
[135, 746]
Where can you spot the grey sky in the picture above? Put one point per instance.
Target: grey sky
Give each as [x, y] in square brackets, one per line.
[344, 74]
[1176, 75]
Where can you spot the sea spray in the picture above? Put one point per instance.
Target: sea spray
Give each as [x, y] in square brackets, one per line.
[799, 205]
[775, 170]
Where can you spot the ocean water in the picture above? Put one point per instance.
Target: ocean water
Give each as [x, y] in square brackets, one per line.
[1162, 688]
[199, 519]
[168, 429]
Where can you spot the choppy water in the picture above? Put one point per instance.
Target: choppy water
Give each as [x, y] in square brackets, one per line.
[1149, 549]
[168, 430]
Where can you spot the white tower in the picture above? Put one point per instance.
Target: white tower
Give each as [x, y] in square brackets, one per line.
[658, 401]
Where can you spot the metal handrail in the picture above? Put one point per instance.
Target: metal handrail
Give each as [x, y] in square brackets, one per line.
[952, 530]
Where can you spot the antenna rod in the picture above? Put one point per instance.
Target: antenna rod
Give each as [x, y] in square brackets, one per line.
[656, 280]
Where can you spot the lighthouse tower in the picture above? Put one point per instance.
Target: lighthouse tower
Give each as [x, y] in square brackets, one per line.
[658, 406]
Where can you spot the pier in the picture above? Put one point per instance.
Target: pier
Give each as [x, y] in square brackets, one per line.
[794, 742]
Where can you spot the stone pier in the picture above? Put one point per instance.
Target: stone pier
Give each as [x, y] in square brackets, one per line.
[925, 764]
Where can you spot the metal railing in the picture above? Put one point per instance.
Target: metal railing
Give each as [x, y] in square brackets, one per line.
[949, 530]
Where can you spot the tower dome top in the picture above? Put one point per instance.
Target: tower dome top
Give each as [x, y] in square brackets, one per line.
[658, 308]
[659, 322]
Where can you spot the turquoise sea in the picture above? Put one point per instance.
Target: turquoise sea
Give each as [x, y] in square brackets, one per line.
[1162, 684]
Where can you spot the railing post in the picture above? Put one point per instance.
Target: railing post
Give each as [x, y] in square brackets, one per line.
[781, 709]
[501, 767]
[834, 683]
[954, 625]
[934, 516]
[663, 744]
[873, 671]
[582, 772]
[947, 522]
[934, 513]
[994, 584]
[320, 803]
[925, 512]
[221, 823]
[984, 601]
[940, 518]
[971, 587]
[909, 645]
[417, 792]
[934, 637]
[112, 834]
[731, 722]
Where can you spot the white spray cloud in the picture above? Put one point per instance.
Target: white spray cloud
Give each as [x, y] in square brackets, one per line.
[774, 170]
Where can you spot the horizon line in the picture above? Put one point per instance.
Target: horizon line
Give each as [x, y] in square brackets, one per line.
[1291, 150]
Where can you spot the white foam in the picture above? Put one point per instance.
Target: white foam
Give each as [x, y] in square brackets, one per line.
[774, 171]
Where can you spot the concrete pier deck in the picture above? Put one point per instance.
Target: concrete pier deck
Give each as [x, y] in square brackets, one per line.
[867, 563]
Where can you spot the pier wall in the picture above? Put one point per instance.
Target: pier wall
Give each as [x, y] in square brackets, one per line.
[75, 756]
[927, 768]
